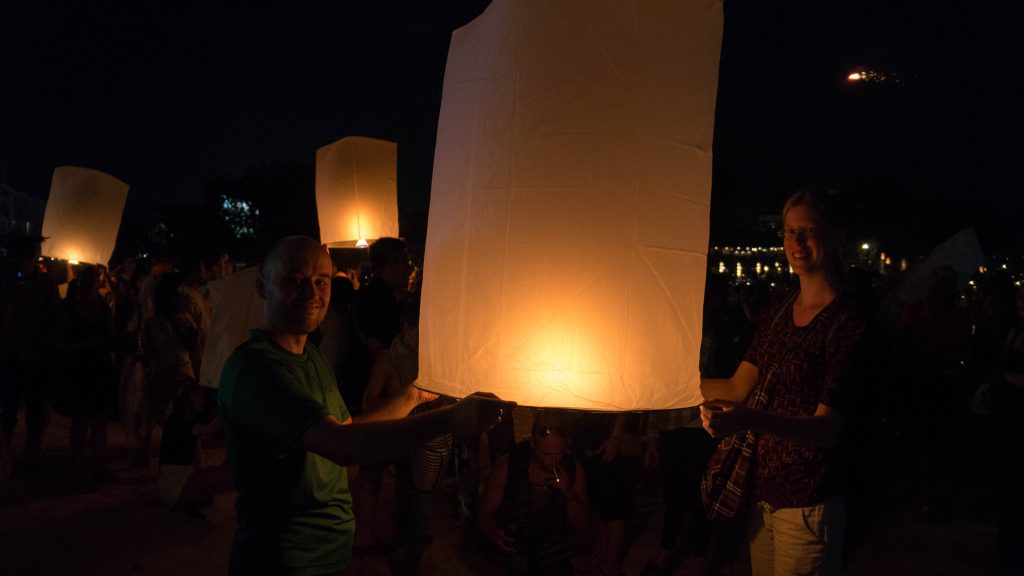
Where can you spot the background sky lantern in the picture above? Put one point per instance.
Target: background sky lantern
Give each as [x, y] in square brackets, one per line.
[83, 215]
[568, 230]
[356, 193]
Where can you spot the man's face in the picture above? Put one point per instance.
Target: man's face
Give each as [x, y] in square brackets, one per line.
[396, 272]
[549, 450]
[297, 288]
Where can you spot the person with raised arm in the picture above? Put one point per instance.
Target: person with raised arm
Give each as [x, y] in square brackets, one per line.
[290, 435]
[801, 363]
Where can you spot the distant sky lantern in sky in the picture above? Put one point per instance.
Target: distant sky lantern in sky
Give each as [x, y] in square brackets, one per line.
[876, 77]
[83, 215]
[567, 241]
[356, 193]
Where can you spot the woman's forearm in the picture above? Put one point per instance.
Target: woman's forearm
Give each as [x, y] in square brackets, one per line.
[819, 430]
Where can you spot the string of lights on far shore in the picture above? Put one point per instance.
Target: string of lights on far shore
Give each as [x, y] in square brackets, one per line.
[746, 264]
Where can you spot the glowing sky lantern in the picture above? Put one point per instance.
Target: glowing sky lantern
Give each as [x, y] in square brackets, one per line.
[356, 193]
[83, 215]
[567, 241]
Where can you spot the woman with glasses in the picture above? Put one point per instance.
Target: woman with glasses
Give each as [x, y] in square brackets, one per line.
[801, 364]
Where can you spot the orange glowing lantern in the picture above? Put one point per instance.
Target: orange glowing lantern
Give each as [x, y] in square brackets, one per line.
[567, 241]
[83, 215]
[356, 192]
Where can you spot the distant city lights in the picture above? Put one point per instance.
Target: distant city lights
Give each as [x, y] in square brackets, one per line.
[750, 264]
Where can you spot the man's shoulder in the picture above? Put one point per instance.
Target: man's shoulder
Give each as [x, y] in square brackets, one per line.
[256, 353]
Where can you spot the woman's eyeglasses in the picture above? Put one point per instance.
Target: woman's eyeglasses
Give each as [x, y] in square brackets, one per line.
[792, 233]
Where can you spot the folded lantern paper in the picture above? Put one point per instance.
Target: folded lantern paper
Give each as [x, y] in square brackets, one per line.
[83, 214]
[567, 239]
[356, 194]
[237, 310]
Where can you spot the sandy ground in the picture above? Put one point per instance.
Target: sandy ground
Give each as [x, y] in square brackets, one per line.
[119, 527]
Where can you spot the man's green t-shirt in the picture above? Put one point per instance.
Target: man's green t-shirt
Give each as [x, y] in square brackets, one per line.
[294, 508]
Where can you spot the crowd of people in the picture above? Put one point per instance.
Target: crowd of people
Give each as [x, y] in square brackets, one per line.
[827, 400]
[76, 354]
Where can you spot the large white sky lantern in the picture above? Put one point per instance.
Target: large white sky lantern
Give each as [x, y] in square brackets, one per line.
[83, 214]
[356, 193]
[567, 241]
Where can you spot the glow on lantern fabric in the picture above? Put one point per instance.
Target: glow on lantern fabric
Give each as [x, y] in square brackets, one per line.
[567, 239]
[237, 310]
[83, 214]
[356, 193]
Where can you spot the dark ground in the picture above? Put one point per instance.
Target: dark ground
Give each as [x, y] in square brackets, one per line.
[119, 527]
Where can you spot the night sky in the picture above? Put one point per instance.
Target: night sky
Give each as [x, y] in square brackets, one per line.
[167, 95]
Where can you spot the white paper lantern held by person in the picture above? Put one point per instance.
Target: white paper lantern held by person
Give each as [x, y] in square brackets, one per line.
[567, 239]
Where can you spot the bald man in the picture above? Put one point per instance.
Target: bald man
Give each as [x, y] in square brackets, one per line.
[290, 436]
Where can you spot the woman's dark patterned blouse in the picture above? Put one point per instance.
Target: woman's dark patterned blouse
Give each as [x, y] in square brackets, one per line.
[814, 364]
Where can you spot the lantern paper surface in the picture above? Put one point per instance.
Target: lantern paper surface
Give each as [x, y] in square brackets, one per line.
[237, 310]
[83, 214]
[567, 240]
[356, 194]
[962, 252]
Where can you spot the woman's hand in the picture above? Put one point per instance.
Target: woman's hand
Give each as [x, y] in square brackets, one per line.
[724, 417]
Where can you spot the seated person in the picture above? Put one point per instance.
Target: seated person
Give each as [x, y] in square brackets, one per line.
[183, 483]
[534, 505]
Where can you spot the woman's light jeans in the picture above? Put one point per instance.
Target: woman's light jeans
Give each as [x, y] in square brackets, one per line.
[788, 541]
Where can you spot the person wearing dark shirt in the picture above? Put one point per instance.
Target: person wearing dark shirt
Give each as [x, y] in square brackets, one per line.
[377, 305]
[29, 309]
[802, 358]
[290, 436]
[534, 505]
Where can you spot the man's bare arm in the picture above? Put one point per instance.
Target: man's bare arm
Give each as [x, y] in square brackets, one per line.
[350, 442]
[392, 407]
